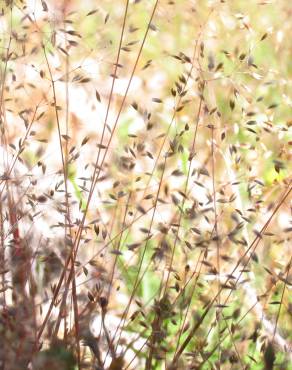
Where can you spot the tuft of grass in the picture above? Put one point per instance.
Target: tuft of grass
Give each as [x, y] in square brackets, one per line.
[145, 185]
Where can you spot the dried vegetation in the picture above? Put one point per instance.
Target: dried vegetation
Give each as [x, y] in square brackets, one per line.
[145, 185]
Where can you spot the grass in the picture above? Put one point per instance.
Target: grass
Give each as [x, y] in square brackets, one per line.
[145, 185]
